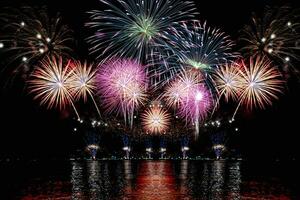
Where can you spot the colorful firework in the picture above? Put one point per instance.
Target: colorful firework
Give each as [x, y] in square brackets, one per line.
[260, 83]
[274, 35]
[156, 120]
[179, 88]
[121, 83]
[83, 82]
[133, 28]
[198, 46]
[51, 83]
[196, 105]
[188, 93]
[29, 36]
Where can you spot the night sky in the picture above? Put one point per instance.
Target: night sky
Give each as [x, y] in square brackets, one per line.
[28, 130]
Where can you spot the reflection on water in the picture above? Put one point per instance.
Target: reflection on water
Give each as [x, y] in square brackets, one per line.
[152, 180]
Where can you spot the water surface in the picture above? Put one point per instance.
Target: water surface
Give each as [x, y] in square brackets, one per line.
[148, 180]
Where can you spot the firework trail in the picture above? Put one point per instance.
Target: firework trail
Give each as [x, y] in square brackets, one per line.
[83, 82]
[121, 84]
[226, 80]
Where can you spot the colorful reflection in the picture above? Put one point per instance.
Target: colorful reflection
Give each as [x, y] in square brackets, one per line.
[156, 180]
[151, 180]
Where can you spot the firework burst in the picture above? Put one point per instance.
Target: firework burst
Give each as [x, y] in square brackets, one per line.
[260, 83]
[83, 82]
[51, 83]
[121, 84]
[133, 28]
[188, 93]
[198, 46]
[29, 36]
[226, 79]
[156, 120]
[274, 35]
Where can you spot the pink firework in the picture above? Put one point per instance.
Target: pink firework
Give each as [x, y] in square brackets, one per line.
[196, 105]
[178, 90]
[121, 84]
[188, 93]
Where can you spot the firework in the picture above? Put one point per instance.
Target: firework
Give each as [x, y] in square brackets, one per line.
[156, 120]
[226, 79]
[133, 28]
[198, 46]
[260, 83]
[121, 84]
[274, 35]
[196, 105]
[191, 97]
[178, 90]
[83, 82]
[29, 36]
[51, 83]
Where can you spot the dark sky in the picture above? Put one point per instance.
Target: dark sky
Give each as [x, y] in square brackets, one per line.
[27, 129]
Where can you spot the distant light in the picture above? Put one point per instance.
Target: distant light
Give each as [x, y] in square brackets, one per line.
[48, 39]
[263, 39]
[38, 36]
[1, 45]
[289, 24]
[163, 149]
[185, 148]
[118, 124]
[81, 121]
[75, 129]
[126, 148]
[236, 129]
[99, 123]
[24, 59]
[134, 116]
[105, 124]
[287, 59]
[41, 50]
[205, 124]
[270, 50]
[230, 121]
[176, 116]
[23, 24]
[273, 36]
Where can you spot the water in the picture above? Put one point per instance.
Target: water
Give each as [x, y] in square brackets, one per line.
[148, 180]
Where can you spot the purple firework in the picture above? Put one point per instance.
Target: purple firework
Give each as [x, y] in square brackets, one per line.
[195, 105]
[122, 86]
[190, 96]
